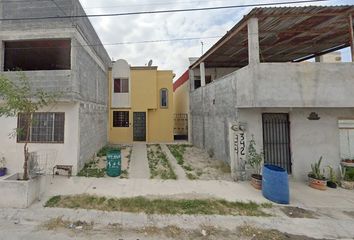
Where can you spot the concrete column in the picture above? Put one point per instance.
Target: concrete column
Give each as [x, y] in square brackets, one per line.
[191, 80]
[253, 41]
[351, 36]
[202, 74]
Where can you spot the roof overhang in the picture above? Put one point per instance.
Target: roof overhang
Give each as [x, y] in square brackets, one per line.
[286, 34]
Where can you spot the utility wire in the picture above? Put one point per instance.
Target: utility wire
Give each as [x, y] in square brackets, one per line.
[119, 43]
[161, 11]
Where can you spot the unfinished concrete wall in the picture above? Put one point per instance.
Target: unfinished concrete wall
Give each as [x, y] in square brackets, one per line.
[212, 108]
[93, 130]
[297, 85]
[12, 9]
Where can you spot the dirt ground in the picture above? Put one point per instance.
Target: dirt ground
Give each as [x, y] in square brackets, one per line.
[204, 167]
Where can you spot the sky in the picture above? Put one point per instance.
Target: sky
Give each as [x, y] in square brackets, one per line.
[209, 25]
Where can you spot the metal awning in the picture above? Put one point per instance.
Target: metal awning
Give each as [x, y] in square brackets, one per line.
[285, 34]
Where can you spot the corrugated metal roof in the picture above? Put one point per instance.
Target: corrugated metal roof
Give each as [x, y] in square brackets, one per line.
[285, 34]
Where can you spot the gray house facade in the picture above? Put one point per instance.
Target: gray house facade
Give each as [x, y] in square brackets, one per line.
[62, 55]
[261, 87]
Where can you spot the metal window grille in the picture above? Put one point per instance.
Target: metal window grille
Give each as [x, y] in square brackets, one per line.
[120, 119]
[46, 128]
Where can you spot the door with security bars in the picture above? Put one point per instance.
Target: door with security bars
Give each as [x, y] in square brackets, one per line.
[276, 140]
[139, 126]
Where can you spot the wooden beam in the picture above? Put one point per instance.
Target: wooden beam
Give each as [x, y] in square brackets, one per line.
[351, 35]
[221, 42]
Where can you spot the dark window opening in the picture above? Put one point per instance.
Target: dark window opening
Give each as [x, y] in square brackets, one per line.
[46, 128]
[32, 55]
[121, 85]
[120, 119]
[164, 98]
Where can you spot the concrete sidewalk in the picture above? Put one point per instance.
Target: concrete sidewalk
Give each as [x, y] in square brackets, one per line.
[139, 166]
[300, 194]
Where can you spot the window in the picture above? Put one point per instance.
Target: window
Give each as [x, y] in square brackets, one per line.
[121, 85]
[120, 119]
[31, 55]
[164, 98]
[46, 128]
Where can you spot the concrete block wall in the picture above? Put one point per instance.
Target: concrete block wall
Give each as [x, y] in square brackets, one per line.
[212, 108]
[93, 130]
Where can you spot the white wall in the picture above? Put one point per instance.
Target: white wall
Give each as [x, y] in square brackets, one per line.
[66, 153]
[309, 139]
[121, 69]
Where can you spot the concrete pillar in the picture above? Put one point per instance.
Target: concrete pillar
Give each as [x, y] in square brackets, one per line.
[191, 80]
[253, 41]
[202, 74]
[351, 36]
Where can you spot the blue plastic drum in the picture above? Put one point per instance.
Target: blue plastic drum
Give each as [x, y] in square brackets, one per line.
[275, 184]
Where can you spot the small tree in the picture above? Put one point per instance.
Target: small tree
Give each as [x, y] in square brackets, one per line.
[18, 97]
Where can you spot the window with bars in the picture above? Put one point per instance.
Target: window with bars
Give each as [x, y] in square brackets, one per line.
[121, 85]
[46, 128]
[120, 119]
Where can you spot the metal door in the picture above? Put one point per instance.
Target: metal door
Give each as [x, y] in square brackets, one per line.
[139, 126]
[276, 140]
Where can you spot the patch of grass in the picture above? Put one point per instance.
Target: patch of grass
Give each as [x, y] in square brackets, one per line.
[103, 151]
[191, 176]
[178, 151]
[160, 206]
[92, 170]
[53, 201]
[224, 167]
[159, 164]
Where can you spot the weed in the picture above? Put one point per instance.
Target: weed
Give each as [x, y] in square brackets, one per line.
[103, 151]
[160, 206]
[191, 176]
[159, 164]
[53, 201]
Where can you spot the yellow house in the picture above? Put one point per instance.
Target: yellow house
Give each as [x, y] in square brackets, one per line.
[140, 104]
[181, 106]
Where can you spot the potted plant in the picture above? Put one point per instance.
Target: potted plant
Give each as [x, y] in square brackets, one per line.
[255, 160]
[3, 169]
[316, 176]
[347, 177]
[332, 178]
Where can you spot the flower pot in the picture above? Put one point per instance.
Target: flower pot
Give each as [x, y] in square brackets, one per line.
[331, 184]
[347, 184]
[256, 181]
[320, 184]
[3, 171]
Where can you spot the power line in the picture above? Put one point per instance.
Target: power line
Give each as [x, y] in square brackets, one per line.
[121, 43]
[162, 11]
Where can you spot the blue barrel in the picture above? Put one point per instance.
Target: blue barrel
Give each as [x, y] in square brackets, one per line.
[275, 184]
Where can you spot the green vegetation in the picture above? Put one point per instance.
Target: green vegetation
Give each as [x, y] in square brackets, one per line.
[103, 151]
[158, 163]
[178, 151]
[316, 171]
[92, 170]
[349, 174]
[159, 206]
[19, 97]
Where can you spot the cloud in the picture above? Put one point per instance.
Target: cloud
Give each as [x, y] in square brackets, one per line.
[166, 55]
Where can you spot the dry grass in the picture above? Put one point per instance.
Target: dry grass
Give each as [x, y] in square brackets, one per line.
[159, 165]
[159, 206]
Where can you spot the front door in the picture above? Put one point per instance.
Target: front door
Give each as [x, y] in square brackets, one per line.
[276, 140]
[139, 126]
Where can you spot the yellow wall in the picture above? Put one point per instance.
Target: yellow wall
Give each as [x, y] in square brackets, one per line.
[181, 98]
[145, 97]
[161, 119]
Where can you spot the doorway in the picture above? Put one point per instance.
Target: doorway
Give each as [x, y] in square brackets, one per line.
[139, 126]
[276, 140]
